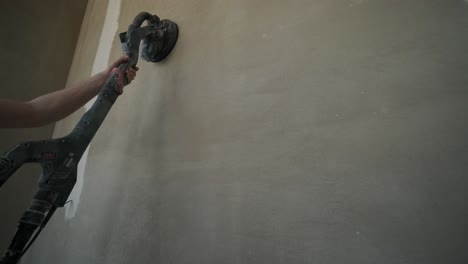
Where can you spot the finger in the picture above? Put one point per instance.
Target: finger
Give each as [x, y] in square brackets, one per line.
[118, 61]
[131, 73]
[130, 76]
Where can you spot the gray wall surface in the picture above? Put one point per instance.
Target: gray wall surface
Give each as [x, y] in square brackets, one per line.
[324, 131]
[36, 51]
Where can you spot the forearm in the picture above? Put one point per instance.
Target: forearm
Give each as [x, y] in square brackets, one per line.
[52, 107]
[57, 105]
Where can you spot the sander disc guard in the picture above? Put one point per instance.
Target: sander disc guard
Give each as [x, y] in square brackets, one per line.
[156, 49]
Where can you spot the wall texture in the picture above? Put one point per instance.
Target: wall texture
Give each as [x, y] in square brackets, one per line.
[36, 51]
[325, 131]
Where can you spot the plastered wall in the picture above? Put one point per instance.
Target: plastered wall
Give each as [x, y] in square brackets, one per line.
[325, 131]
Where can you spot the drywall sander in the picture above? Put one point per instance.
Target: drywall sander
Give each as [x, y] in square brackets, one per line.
[59, 157]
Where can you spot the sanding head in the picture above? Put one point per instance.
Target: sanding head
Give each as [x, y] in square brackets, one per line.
[157, 48]
[159, 38]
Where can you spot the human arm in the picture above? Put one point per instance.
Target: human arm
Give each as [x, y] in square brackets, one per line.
[54, 106]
